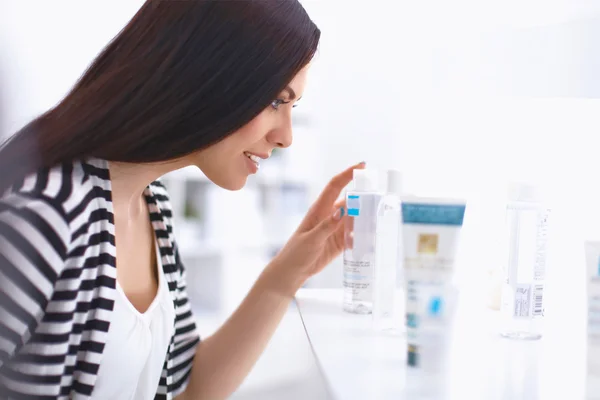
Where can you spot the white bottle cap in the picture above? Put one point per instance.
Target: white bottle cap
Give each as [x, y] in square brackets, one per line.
[365, 180]
[521, 191]
[394, 181]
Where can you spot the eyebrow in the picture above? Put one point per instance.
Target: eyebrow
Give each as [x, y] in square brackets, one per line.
[291, 93]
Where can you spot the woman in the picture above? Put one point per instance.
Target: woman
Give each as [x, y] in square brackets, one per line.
[93, 299]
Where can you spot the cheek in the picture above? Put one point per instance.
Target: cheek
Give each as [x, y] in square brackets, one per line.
[255, 130]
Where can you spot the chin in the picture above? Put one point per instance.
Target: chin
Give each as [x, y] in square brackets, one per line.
[235, 185]
[228, 180]
[231, 184]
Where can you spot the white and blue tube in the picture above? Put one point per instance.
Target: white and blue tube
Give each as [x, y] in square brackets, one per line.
[430, 230]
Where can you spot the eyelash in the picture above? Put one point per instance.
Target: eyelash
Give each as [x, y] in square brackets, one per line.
[277, 102]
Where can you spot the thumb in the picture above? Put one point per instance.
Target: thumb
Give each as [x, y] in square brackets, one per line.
[329, 225]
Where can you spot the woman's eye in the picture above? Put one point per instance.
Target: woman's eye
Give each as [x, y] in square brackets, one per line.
[277, 102]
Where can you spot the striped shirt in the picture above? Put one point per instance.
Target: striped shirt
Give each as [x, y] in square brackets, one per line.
[58, 283]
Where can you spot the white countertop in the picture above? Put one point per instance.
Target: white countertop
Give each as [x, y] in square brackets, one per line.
[360, 363]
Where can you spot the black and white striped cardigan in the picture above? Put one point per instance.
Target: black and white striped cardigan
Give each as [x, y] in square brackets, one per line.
[58, 280]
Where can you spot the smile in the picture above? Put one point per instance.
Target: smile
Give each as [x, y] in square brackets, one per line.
[253, 158]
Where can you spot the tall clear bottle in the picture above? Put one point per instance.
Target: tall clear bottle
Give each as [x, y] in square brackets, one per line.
[388, 246]
[522, 307]
[359, 234]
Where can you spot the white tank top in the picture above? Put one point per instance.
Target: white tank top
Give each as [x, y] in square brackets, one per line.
[137, 344]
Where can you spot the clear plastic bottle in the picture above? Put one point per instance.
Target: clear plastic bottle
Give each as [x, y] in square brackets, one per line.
[359, 234]
[387, 254]
[522, 305]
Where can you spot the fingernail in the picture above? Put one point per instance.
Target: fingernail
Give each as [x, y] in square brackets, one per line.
[363, 163]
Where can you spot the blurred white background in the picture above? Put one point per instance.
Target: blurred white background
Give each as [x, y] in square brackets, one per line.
[462, 96]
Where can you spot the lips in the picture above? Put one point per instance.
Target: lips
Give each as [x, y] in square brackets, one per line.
[255, 159]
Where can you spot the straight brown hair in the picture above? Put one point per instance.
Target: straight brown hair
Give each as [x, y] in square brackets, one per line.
[181, 76]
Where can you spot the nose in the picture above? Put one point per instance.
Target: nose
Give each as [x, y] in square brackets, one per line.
[282, 135]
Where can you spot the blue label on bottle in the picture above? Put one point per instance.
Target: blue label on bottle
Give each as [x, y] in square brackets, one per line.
[412, 321]
[598, 266]
[353, 205]
[435, 305]
[433, 214]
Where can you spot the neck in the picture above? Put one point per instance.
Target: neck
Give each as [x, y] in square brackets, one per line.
[129, 180]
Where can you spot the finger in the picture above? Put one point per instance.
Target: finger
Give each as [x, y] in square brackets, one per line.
[336, 184]
[348, 222]
[335, 242]
[332, 191]
[339, 204]
[339, 236]
[329, 225]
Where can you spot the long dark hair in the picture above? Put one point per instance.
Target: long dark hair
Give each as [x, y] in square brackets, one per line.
[181, 76]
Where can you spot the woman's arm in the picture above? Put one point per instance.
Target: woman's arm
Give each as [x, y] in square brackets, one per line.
[34, 242]
[223, 360]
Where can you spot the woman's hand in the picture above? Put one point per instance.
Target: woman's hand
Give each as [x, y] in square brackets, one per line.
[320, 236]
[234, 348]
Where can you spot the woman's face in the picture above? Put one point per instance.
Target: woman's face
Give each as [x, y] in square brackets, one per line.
[229, 162]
